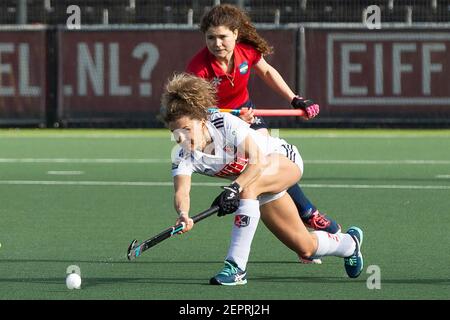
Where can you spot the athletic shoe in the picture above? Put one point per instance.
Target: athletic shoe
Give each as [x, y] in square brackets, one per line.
[321, 222]
[309, 260]
[230, 275]
[354, 264]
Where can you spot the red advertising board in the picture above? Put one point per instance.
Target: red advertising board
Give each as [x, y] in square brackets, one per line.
[382, 73]
[22, 76]
[120, 74]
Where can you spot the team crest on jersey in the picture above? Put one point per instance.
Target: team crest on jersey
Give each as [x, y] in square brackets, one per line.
[216, 81]
[229, 149]
[241, 221]
[243, 67]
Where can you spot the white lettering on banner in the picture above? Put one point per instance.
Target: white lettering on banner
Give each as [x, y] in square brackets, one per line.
[379, 83]
[389, 68]
[114, 75]
[5, 68]
[347, 68]
[152, 53]
[92, 69]
[25, 88]
[398, 67]
[428, 67]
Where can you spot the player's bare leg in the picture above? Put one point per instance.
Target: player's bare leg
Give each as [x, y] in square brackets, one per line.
[276, 178]
[308, 211]
[281, 218]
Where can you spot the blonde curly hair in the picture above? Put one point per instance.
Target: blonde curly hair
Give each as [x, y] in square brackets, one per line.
[187, 95]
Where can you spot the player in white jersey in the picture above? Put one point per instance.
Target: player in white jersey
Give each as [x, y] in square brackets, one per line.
[261, 168]
[227, 132]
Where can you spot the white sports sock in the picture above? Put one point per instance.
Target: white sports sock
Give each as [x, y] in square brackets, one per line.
[338, 244]
[244, 228]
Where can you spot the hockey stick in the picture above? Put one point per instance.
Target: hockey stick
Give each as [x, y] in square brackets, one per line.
[135, 249]
[265, 112]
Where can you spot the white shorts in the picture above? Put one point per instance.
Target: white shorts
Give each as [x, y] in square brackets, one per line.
[269, 197]
[291, 152]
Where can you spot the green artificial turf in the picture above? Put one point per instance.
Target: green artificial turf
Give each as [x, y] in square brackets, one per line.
[393, 184]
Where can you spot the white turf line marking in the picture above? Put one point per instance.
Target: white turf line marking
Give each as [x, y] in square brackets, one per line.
[443, 176]
[161, 135]
[377, 161]
[149, 160]
[360, 136]
[65, 173]
[211, 184]
[67, 160]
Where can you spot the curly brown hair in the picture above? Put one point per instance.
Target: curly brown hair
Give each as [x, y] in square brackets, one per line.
[235, 19]
[187, 95]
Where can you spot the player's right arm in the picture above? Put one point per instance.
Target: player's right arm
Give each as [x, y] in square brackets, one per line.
[182, 185]
[181, 172]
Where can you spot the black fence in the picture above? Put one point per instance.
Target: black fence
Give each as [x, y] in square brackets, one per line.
[54, 12]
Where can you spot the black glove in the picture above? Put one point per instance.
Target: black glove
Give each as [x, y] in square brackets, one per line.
[310, 107]
[228, 200]
[301, 103]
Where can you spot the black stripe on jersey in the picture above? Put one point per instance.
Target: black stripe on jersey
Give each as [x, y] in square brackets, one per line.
[217, 119]
[218, 123]
[286, 149]
[290, 153]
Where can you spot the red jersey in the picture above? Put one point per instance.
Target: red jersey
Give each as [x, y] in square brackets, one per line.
[231, 88]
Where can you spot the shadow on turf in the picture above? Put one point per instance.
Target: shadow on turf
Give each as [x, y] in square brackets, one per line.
[94, 282]
[312, 279]
[124, 260]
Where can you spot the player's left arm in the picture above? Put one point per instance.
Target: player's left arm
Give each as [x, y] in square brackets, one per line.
[239, 135]
[275, 81]
[229, 199]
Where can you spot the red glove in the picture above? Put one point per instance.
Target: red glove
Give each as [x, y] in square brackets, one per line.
[310, 107]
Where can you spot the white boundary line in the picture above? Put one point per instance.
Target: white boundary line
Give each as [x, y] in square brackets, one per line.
[213, 184]
[65, 173]
[377, 162]
[149, 160]
[86, 160]
[361, 136]
[300, 134]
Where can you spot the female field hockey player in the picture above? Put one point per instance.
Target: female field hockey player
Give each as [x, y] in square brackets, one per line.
[261, 168]
[233, 48]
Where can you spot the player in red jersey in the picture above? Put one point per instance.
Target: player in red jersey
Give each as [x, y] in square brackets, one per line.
[233, 48]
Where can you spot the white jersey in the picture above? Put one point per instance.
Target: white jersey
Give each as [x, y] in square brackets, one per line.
[228, 132]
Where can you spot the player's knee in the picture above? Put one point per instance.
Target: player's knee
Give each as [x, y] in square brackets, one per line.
[306, 251]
